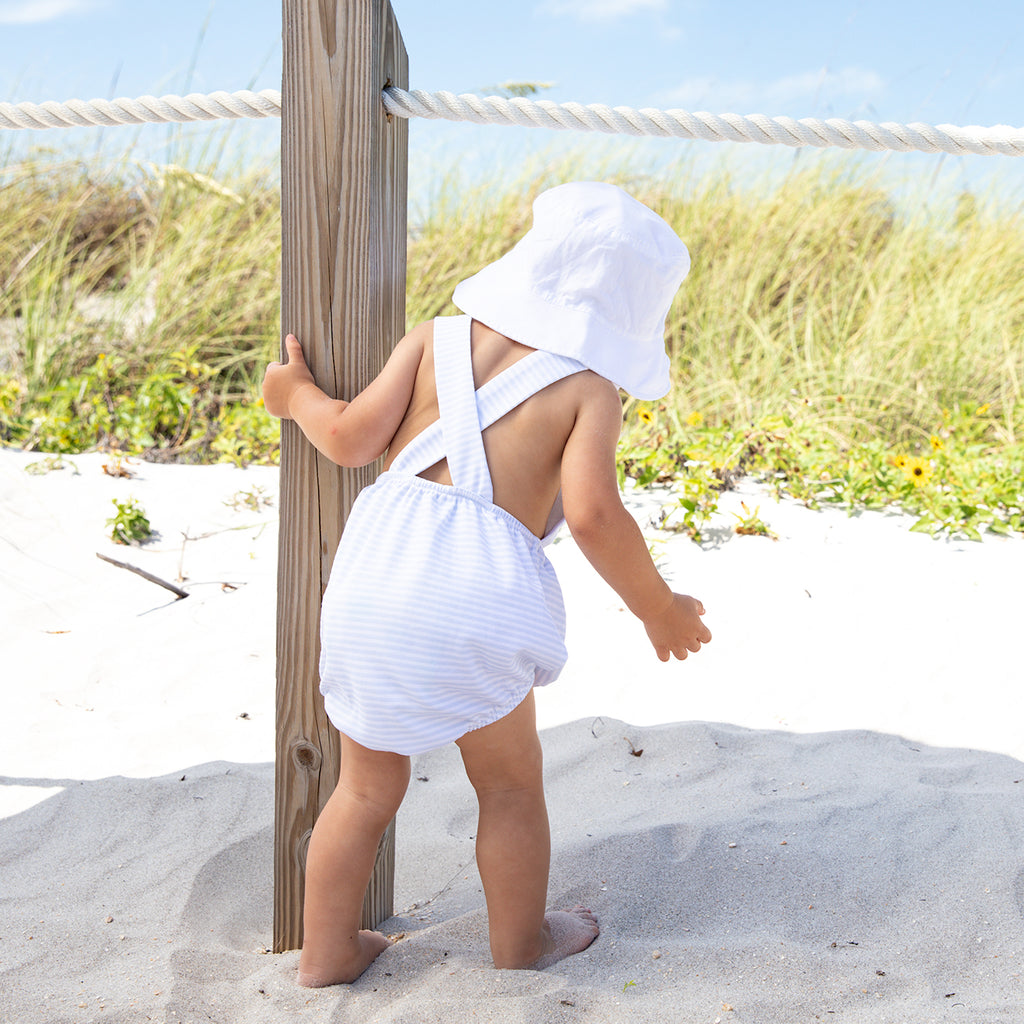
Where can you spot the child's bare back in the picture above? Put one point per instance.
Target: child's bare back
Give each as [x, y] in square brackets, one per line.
[523, 448]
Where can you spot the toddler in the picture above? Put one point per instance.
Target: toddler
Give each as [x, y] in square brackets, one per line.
[443, 612]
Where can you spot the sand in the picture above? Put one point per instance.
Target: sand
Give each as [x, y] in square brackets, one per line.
[820, 817]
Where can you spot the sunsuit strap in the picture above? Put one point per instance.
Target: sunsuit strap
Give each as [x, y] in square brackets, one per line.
[456, 405]
[494, 399]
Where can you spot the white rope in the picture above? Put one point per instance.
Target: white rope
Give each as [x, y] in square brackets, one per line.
[768, 131]
[594, 117]
[145, 110]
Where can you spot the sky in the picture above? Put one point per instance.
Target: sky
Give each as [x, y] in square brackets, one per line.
[936, 61]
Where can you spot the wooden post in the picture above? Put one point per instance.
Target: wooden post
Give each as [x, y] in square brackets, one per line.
[343, 202]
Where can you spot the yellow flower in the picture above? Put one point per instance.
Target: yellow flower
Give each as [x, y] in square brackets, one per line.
[936, 443]
[645, 416]
[918, 471]
[899, 461]
[695, 419]
[982, 409]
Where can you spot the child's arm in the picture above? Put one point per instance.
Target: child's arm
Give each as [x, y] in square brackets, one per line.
[609, 536]
[349, 433]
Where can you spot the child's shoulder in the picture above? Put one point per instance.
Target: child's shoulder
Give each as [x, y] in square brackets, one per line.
[594, 403]
[594, 383]
[408, 352]
[419, 336]
[598, 392]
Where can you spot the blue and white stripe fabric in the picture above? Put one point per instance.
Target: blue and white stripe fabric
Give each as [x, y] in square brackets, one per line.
[442, 609]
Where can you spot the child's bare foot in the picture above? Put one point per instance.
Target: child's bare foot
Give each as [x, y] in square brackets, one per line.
[571, 931]
[342, 970]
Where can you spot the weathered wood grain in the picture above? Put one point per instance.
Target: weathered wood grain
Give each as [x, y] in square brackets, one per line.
[343, 183]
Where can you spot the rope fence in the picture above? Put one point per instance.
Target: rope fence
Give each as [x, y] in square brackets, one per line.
[145, 110]
[595, 117]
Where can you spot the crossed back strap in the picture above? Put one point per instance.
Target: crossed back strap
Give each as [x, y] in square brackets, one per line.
[465, 413]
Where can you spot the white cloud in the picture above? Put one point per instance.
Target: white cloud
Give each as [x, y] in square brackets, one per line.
[601, 10]
[30, 12]
[817, 90]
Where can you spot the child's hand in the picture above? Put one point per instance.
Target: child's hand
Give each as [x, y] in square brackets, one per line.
[282, 379]
[678, 628]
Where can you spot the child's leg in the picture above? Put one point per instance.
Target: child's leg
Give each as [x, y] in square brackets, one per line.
[340, 861]
[513, 845]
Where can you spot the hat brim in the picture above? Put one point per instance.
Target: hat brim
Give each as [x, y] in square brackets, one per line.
[498, 298]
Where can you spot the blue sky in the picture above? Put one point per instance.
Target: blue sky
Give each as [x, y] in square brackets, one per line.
[902, 60]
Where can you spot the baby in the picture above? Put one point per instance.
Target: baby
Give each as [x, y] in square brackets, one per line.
[443, 612]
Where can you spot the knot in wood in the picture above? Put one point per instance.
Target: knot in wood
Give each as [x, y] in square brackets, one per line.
[305, 756]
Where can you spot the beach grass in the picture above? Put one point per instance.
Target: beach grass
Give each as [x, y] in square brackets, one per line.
[839, 341]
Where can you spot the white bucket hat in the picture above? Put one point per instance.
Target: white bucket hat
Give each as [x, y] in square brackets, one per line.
[593, 279]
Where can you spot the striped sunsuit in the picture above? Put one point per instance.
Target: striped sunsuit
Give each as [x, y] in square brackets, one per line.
[442, 609]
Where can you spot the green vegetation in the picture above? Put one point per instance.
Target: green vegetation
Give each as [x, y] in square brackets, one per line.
[137, 309]
[826, 340]
[129, 523]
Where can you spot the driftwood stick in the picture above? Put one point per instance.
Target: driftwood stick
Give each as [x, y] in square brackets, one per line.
[145, 575]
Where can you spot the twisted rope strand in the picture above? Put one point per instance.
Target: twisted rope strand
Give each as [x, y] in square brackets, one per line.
[144, 110]
[593, 117]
